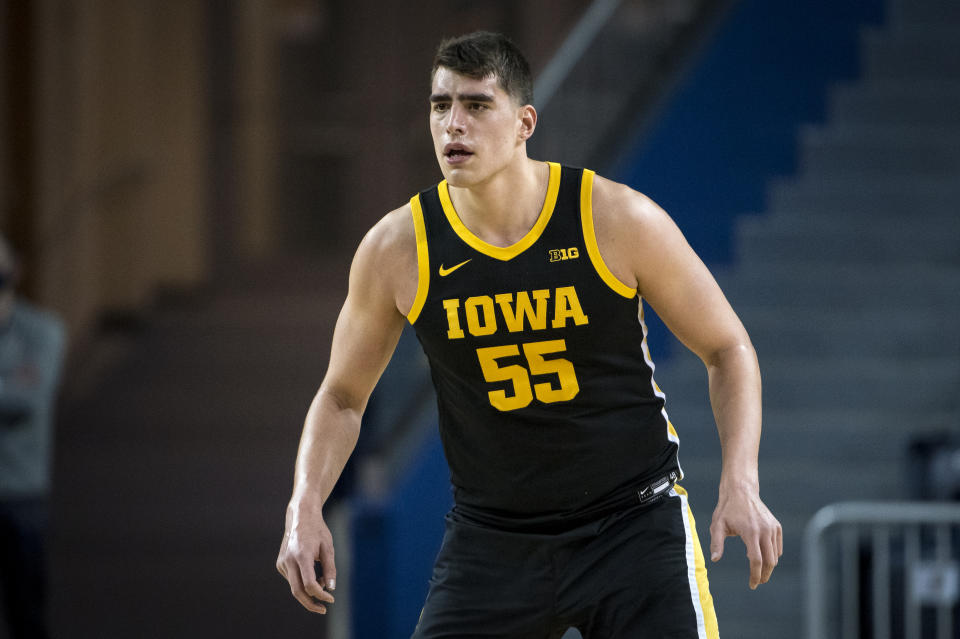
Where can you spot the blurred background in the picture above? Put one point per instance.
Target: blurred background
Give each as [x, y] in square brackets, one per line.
[185, 183]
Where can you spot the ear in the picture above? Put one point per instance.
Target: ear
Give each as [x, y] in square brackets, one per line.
[527, 122]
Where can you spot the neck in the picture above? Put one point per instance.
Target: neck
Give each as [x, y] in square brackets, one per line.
[502, 209]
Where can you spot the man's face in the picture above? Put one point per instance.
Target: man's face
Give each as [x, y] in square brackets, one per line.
[477, 128]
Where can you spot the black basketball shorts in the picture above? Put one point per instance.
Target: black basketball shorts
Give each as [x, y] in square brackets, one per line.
[636, 574]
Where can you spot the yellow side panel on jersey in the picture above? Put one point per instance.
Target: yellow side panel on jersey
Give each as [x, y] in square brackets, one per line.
[503, 253]
[672, 430]
[590, 239]
[423, 260]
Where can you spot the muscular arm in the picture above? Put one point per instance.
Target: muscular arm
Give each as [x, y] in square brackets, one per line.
[365, 336]
[644, 248]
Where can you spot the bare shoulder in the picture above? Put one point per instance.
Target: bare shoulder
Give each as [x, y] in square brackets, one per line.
[629, 227]
[386, 260]
[616, 203]
[639, 241]
[391, 236]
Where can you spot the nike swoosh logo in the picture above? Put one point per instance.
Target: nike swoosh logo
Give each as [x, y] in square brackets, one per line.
[447, 271]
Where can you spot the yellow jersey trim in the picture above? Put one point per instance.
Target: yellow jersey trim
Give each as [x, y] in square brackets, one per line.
[590, 239]
[504, 253]
[423, 260]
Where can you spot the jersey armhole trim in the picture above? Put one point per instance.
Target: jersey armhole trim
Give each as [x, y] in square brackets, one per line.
[590, 239]
[423, 260]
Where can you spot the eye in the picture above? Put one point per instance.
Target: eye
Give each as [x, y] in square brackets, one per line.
[479, 106]
[439, 107]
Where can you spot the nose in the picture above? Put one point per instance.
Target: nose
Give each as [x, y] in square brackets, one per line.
[456, 120]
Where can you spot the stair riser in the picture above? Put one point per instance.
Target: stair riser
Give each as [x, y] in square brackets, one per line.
[900, 196]
[816, 444]
[852, 393]
[863, 341]
[759, 248]
[912, 57]
[798, 293]
[935, 12]
[835, 159]
[898, 210]
[875, 222]
[864, 107]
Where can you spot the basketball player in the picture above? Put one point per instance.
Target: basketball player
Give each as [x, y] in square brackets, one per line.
[524, 281]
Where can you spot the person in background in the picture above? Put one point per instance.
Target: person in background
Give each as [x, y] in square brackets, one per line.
[31, 354]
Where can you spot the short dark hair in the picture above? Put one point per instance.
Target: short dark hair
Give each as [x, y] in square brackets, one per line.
[483, 53]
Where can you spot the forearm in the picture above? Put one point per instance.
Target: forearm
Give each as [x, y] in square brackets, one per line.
[735, 395]
[329, 436]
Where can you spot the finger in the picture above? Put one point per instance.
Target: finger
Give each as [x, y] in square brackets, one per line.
[756, 561]
[308, 602]
[329, 567]
[718, 534]
[779, 540]
[768, 548]
[308, 577]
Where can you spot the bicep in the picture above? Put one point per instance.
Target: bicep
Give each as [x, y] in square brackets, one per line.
[367, 329]
[363, 341]
[680, 288]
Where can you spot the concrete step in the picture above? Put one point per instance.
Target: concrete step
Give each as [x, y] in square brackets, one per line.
[802, 286]
[859, 219]
[910, 197]
[922, 12]
[896, 334]
[927, 150]
[915, 31]
[813, 434]
[872, 137]
[883, 101]
[838, 206]
[912, 51]
[863, 240]
[928, 384]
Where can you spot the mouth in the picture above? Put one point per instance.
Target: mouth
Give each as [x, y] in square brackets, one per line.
[456, 152]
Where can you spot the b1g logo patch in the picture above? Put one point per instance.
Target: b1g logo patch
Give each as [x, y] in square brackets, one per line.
[571, 253]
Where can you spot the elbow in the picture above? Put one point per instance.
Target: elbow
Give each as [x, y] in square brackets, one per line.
[733, 354]
[339, 400]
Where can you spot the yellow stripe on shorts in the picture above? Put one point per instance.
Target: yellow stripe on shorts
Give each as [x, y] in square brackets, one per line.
[697, 570]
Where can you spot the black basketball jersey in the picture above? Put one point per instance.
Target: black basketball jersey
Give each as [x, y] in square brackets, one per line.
[547, 404]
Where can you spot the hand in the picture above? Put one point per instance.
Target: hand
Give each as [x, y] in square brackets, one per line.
[740, 512]
[307, 539]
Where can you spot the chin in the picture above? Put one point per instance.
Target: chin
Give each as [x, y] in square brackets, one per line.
[457, 176]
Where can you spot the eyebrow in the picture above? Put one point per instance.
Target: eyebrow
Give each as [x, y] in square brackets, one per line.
[463, 97]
